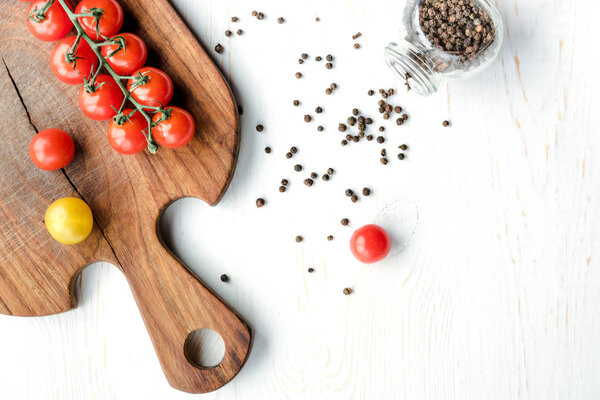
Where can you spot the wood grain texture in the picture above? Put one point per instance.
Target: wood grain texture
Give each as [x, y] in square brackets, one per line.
[126, 194]
[496, 297]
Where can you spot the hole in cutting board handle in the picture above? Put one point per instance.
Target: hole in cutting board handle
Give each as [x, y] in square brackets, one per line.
[204, 348]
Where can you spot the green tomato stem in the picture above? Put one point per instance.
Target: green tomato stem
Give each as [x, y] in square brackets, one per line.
[152, 146]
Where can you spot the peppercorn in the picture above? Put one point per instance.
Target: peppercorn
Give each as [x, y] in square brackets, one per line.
[329, 65]
[325, 177]
[380, 139]
[268, 150]
[328, 91]
[349, 192]
[311, 270]
[371, 92]
[366, 192]
[330, 238]
[240, 32]
[288, 155]
[284, 182]
[293, 149]
[401, 156]
[298, 75]
[224, 278]
[298, 168]
[348, 291]
[260, 202]
[296, 103]
[281, 20]
[282, 189]
[314, 175]
[320, 128]
[259, 128]
[384, 160]
[219, 48]
[228, 33]
[354, 198]
[299, 239]
[318, 110]
[307, 118]
[345, 222]
[342, 127]
[403, 147]
[308, 182]
[446, 123]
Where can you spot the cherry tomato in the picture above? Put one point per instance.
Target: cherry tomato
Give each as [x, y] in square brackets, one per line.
[128, 59]
[370, 244]
[157, 91]
[69, 220]
[72, 73]
[110, 22]
[55, 26]
[51, 149]
[128, 138]
[176, 131]
[101, 104]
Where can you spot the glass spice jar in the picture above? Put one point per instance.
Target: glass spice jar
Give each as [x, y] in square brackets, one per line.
[444, 40]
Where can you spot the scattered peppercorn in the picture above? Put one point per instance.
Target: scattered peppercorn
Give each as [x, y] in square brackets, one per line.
[345, 222]
[281, 20]
[329, 65]
[320, 128]
[384, 160]
[342, 127]
[299, 239]
[298, 168]
[328, 91]
[259, 128]
[318, 110]
[344, 142]
[318, 58]
[386, 116]
[284, 182]
[234, 19]
[403, 147]
[366, 192]
[349, 192]
[404, 117]
[401, 156]
[288, 155]
[357, 46]
[380, 139]
[371, 92]
[260, 202]
[254, 13]
[240, 32]
[282, 189]
[260, 16]
[356, 35]
[308, 182]
[224, 278]
[330, 238]
[296, 103]
[219, 48]
[298, 75]
[369, 137]
[311, 270]
[348, 291]
[381, 128]
[446, 123]
[397, 109]
[383, 152]
[304, 56]
[293, 149]
[314, 175]
[228, 33]
[268, 150]
[307, 118]
[399, 122]
[354, 198]
[325, 177]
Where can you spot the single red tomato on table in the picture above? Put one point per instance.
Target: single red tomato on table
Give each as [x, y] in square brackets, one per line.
[176, 131]
[54, 25]
[370, 244]
[156, 88]
[101, 104]
[128, 59]
[72, 73]
[108, 23]
[128, 138]
[51, 149]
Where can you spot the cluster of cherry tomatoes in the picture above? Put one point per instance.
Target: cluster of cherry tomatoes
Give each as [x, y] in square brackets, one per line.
[115, 83]
[116, 86]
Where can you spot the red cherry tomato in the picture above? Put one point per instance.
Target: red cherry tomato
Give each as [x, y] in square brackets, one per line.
[370, 244]
[72, 73]
[101, 104]
[176, 131]
[55, 26]
[128, 138]
[51, 149]
[128, 59]
[110, 22]
[157, 91]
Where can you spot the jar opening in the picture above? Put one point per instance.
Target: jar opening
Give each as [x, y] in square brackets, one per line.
[412, 66]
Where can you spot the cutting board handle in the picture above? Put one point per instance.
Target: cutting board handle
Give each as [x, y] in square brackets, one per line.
[174, 304]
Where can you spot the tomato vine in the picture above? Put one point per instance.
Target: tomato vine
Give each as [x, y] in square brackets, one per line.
[90, 81]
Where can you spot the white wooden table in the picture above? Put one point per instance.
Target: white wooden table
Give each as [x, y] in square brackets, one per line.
[497, 296]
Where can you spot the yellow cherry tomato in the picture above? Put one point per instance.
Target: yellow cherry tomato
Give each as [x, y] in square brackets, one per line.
[69, 220]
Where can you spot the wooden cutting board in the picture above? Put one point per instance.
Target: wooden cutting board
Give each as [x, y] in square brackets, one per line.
[126, 193]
